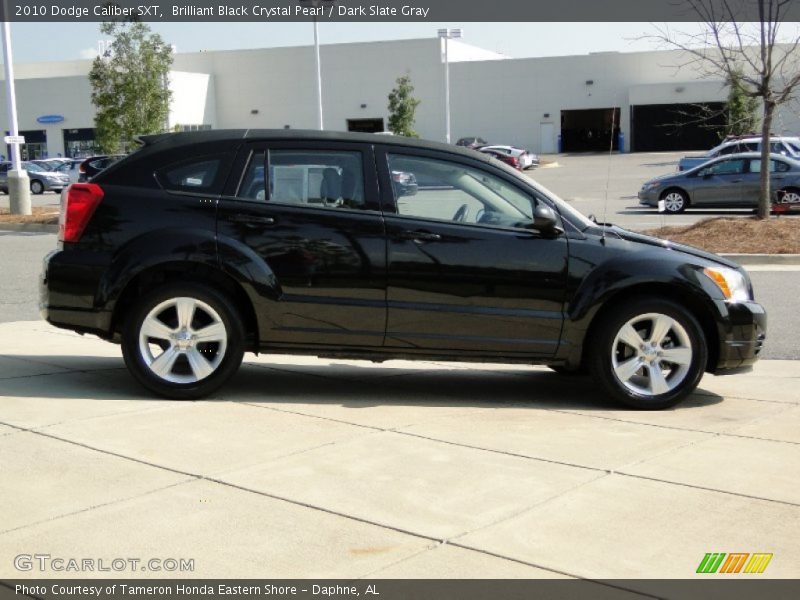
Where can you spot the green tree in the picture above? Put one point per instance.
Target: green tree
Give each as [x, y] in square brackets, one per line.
[129, 85]
[403, 108]
[740, 111]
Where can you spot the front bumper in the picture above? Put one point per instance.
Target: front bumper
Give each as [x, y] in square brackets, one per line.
[742, 335]
[648, 197]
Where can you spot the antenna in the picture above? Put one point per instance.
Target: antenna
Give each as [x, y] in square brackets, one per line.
[608, 173]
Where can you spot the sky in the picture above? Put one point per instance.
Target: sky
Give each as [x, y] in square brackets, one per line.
[36, 42]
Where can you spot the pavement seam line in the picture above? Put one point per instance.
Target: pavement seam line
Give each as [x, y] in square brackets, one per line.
[101, 505]
[527, 509]
[707, 489]
[538, 566]
[198, 477]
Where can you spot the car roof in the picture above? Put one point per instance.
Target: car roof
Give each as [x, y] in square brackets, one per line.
[173, 140]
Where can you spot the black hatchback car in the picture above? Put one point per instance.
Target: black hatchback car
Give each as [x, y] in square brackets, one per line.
[188, 255]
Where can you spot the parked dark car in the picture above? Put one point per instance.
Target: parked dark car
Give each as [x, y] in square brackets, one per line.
[94, 164]
[472, 142]
[729, 182]
[182, 256]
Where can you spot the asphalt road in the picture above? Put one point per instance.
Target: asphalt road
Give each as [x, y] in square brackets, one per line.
[778, 289]
[586, 180]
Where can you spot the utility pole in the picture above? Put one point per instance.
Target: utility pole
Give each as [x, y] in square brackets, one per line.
[446, 35]
[18, 183]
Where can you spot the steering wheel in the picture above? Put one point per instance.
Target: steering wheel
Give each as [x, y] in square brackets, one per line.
[461, 213]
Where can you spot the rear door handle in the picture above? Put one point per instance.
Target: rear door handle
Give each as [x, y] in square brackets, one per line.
[420, 236]
[251, 219]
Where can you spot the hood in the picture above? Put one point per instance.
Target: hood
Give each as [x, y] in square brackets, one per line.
[649, 240]
[666, 176]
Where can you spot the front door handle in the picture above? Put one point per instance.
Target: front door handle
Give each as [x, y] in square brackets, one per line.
[420, 236]
[251, 219]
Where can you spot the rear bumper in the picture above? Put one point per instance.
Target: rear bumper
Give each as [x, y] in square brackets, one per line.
[741, 338]
[66, 295]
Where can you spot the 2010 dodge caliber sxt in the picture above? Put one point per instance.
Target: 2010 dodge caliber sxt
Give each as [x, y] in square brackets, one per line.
[201, 246]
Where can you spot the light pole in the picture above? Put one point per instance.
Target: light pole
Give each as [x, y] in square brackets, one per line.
[19, 193]
[447, 34]
[317, 66]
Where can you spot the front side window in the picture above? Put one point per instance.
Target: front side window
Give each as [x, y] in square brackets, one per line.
[725, 167]
[448, 191]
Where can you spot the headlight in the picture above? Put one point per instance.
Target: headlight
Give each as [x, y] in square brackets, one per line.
[730, 282]
[650, 185]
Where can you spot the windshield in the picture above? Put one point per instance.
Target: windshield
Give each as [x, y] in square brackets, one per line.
[29, 166]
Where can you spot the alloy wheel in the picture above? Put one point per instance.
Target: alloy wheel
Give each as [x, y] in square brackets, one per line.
[674, 202]
[182, 340]
[651, 354]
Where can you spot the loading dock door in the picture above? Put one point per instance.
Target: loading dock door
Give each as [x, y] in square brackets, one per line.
[666, 127]
[589, 130]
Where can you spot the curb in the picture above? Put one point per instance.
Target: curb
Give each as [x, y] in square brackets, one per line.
[30, 227]
[764, 259]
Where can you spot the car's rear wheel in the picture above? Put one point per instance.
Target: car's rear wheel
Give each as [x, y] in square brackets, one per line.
[183, 341]
[37, 187]
[789, 196]
[649, 354]
[675, 201]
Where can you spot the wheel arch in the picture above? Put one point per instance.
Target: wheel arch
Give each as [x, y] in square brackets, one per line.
[676, 188]
[160, 274]
[660, 290]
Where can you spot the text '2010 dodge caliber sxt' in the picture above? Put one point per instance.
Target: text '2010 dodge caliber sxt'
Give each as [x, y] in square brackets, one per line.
[201, 246]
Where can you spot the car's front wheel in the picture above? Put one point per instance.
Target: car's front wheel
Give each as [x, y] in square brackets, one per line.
[37, 187]
[183, 341]
[649, 354]
[675, 201]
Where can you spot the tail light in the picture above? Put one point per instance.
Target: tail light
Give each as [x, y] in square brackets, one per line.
[82, 168]
[78, 203]
[514, 161]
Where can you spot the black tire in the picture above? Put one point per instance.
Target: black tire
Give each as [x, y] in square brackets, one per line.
[37, 187]
[641, 389]
[181, 381]
[675, 201]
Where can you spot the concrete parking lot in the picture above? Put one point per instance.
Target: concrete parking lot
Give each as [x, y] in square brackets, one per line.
[304, 467]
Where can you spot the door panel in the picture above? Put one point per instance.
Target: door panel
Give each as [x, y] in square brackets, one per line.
[325, 244]
[465, 284]
[722, 186]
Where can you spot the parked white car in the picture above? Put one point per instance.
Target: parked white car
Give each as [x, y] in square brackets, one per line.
[525, 159]
[784, 145]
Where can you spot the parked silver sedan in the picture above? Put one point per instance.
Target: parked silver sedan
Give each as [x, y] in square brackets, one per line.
[728, 182]
[41, 180]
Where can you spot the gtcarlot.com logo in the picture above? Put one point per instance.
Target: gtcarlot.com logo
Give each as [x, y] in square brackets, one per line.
[58, 564]
[734, 562]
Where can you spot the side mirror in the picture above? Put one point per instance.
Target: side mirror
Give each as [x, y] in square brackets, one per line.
[545, 220]
[707, 175]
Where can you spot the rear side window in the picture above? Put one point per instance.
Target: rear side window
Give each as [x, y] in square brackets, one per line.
[199, 175]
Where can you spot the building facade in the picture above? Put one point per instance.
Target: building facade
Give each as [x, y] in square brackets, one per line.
[571, 103]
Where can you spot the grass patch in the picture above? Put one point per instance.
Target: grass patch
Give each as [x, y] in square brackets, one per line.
[46, 215]
[738, 236]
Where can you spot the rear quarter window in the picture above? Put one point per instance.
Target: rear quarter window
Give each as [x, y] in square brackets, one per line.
[202, 175]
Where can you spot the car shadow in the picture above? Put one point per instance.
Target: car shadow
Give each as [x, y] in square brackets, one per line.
[645, 210]
[346, 384]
